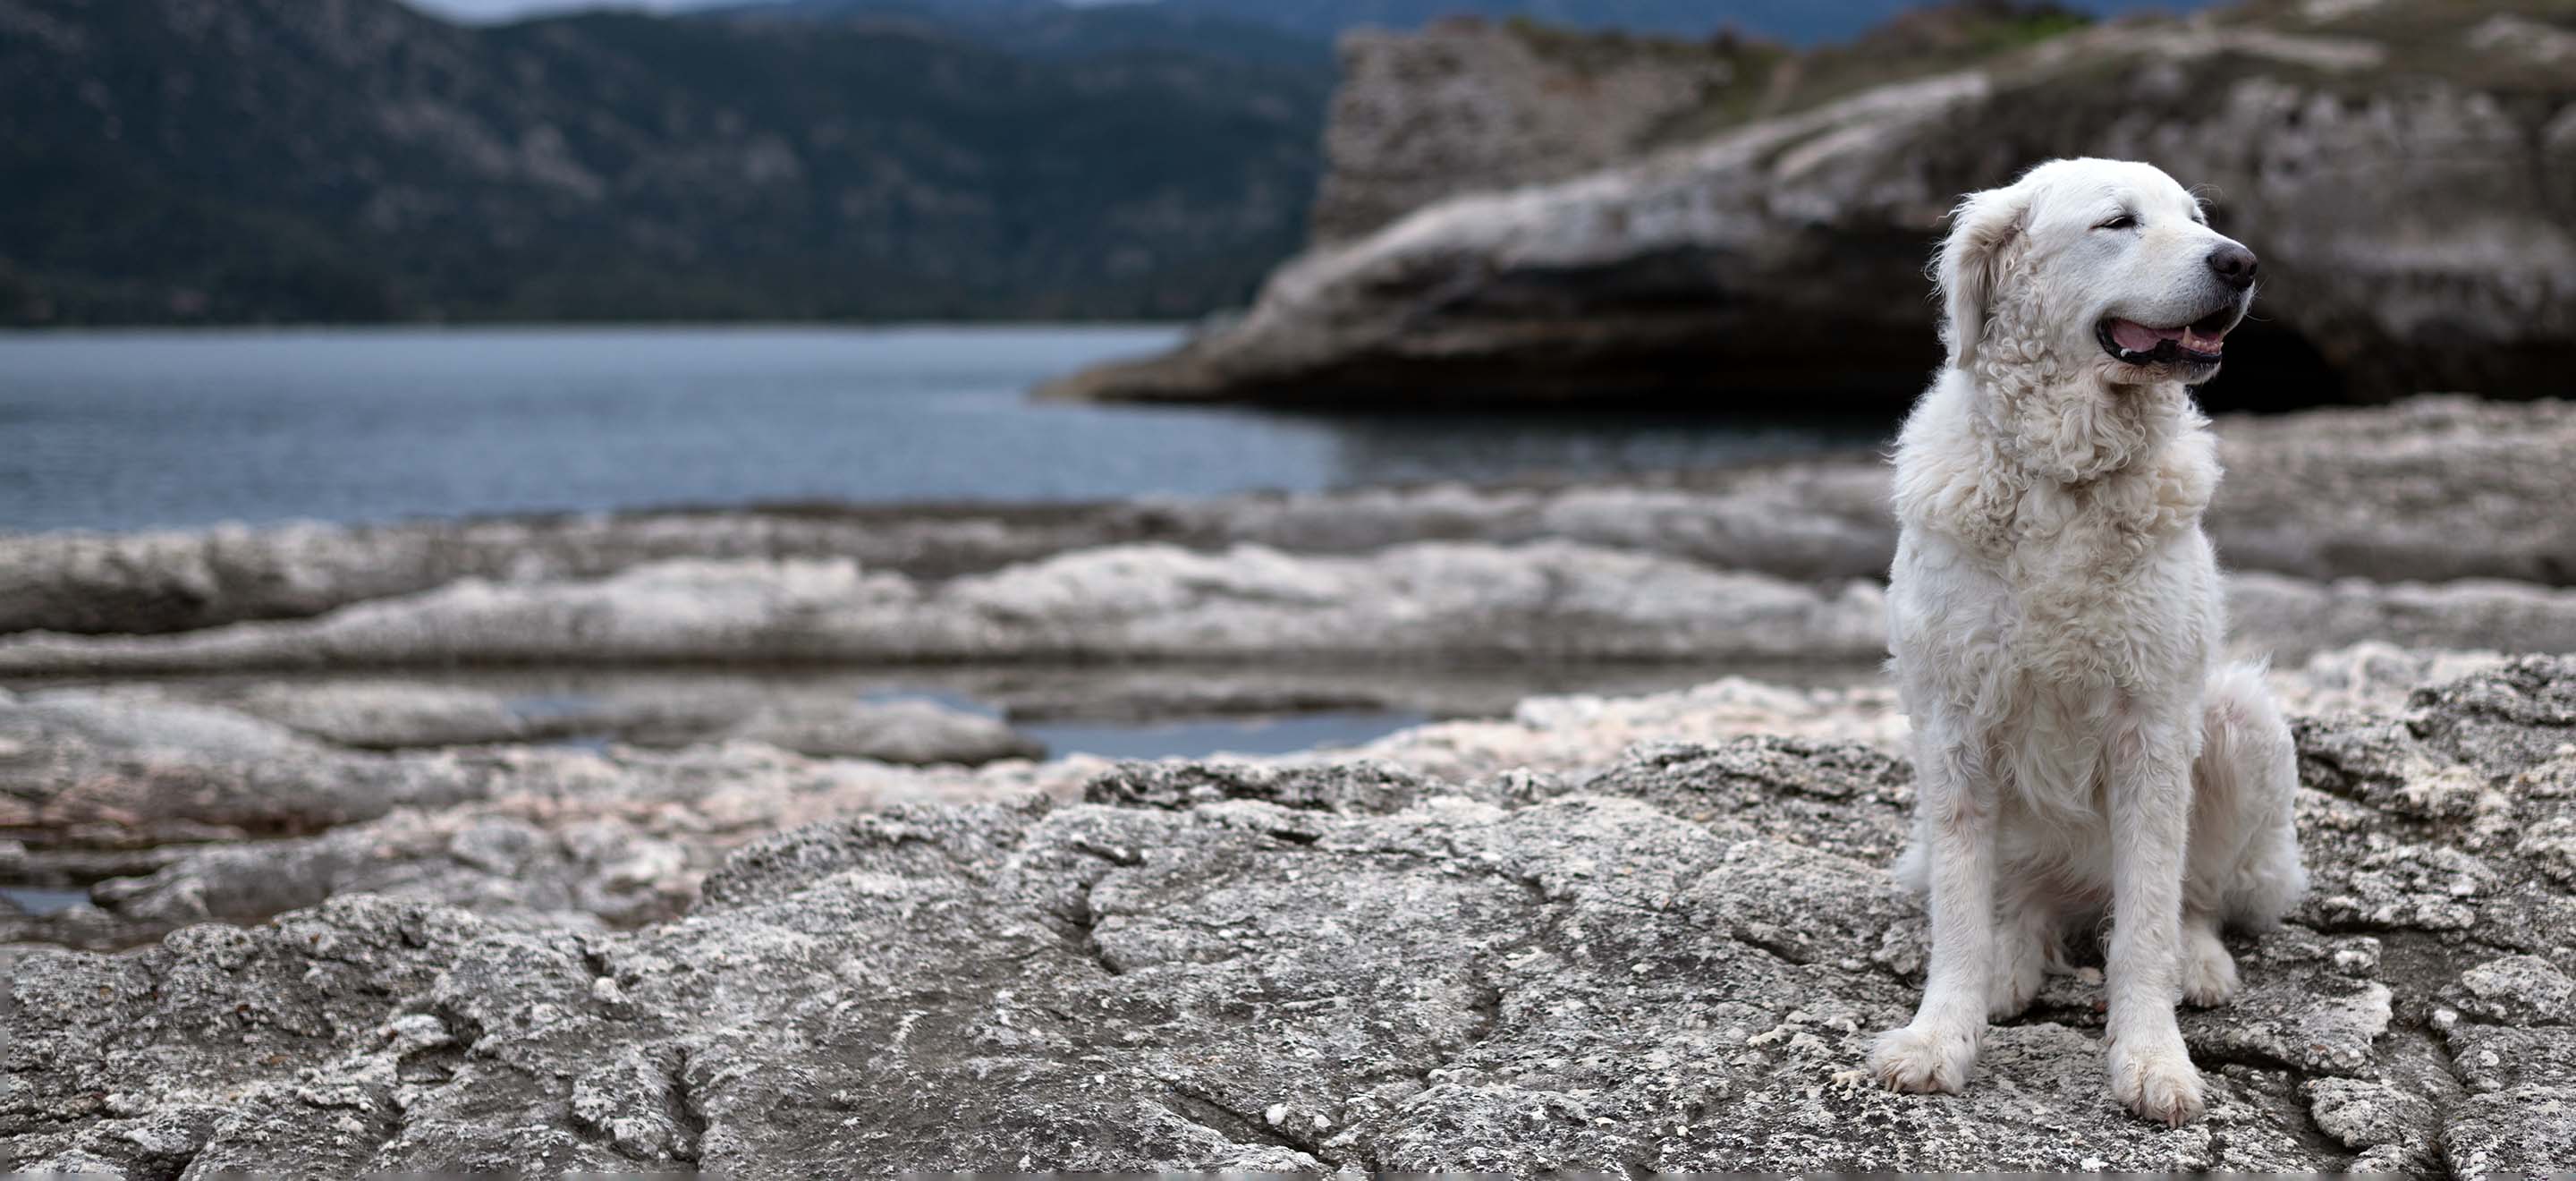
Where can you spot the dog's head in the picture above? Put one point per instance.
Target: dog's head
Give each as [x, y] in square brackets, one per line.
[2105, 263]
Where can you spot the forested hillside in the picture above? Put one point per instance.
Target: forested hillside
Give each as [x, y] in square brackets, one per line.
[176, 161]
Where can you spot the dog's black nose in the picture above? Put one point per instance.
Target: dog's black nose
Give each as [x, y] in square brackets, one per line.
[2234, 264]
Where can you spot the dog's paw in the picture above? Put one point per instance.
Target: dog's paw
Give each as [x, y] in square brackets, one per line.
[1923, 1059]
[2157, 1081]
[2208, 972]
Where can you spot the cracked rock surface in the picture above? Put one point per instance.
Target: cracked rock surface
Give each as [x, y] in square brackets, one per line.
[622, 835]
[1660, 964]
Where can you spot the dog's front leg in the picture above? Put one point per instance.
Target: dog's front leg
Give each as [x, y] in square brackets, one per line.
[1936, 1051]
[2150, 780]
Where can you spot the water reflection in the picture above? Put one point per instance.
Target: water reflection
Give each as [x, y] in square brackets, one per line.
[1408, 448]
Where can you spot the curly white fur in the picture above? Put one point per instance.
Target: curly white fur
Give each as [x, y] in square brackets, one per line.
[2055, 616]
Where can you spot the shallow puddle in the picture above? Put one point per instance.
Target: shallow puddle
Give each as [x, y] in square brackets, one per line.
[42, 900]
[1191, 738]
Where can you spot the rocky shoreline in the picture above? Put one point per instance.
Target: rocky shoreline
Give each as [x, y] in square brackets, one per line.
[2437, 490]
[682, 683]
[667, 841]
[1653, 957]
[164, 804]
[1542, 602]
[731, 839]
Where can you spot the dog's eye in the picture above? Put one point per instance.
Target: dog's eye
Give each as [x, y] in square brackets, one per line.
[2122, 222]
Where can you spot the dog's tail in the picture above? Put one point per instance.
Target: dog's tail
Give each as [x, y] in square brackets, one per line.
[2244, 836]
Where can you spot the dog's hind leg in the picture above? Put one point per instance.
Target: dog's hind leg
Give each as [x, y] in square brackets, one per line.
[2244, 859]
[2208, 972]
[2026, 934]
[2244, 864]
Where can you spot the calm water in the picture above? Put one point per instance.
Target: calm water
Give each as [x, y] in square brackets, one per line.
[128, 430]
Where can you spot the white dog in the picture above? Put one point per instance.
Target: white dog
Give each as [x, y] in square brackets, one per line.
[2055, 613]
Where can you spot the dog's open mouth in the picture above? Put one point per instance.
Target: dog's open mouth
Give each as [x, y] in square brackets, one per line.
[2201, 342]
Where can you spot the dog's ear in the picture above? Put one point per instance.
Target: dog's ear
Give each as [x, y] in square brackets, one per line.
[1964, 274]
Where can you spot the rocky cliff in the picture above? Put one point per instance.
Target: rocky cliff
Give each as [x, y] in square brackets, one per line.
[1468, 104]
[1660, 960]
[2400, 166]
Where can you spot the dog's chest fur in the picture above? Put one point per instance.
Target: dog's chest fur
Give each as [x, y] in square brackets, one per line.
[2053, 543]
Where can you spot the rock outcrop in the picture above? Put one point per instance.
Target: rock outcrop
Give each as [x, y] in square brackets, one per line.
[133, 766]
[2436, 488]
[130, 769]
[913, 733]
[2431, 488]
[1539, 602]
[175, 580]
[399, 715]
[1543, 600]
[163, 819]
[1475, 104]
[389, 715]
[1659, 964]
[2400, 167]
[167, 811]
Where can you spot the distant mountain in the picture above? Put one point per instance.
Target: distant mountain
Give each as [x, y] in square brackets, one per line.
[1798, 22]
[174, 160]
[300, 160]
[1050, 30]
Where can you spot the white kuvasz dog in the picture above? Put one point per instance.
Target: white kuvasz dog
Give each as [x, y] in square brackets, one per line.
[2056, 618]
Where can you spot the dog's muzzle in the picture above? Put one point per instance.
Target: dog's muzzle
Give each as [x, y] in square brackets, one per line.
[2201, 342]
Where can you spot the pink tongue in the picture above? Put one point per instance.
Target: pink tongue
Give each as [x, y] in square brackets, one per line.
[2138, 338]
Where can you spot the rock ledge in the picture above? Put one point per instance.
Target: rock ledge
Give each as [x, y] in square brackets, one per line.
[1660, 964]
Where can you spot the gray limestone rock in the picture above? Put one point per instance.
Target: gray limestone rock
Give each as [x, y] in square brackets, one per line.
[1543, 600]
[909, 732]
[2434, 488]
[385, 715]
[2518, 990]
[131, 767]
[1783, 252]
[1660, 964]
[1451, 601]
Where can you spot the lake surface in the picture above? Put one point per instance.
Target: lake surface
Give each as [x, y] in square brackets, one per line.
[127, 430]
